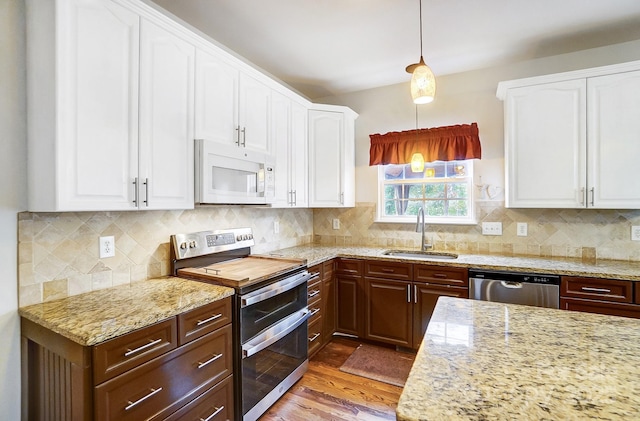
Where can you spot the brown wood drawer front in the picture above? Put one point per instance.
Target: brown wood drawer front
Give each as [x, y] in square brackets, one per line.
[202, 320]
[328, 269]
[315, 335]
[601, 307]
[349, 266]
[115, 356]
[315, 309]
[314, 289]
[597, 289]
[388, 270]
[160, 386]
[441, 275]
[216, 404]
[315, 270]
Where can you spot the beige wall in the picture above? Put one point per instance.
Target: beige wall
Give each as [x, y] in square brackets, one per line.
[465, 98]
[12, 196]
[58, 252]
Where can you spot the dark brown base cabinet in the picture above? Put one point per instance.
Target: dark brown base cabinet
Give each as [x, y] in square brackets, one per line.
[392, 302]
[322, 306]
[602, 296]
[176, 369]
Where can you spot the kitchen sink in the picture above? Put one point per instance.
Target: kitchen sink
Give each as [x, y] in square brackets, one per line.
[416, 254]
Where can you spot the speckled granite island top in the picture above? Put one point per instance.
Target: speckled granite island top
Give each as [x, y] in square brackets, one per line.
[613, 269]
[491, 361]
[96, 316]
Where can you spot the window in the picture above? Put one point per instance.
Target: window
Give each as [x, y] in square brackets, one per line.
[443, 189]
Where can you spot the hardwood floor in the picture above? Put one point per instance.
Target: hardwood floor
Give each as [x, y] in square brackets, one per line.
[326, 393]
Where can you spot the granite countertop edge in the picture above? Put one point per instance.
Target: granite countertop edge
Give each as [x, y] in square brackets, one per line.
[97, 316]
[612, 269]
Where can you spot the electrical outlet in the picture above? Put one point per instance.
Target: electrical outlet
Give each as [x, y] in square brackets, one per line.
[107, 247]
[276, 227]
[336, 224]
[492, 228]
[521, 229]
[635, 233]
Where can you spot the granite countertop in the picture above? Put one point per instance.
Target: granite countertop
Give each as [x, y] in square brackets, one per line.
[613, 269]
[97, 316]
[490, 361]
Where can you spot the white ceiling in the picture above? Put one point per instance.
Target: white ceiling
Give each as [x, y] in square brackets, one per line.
[328, 47]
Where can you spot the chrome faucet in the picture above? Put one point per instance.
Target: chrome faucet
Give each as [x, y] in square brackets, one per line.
[420, 229]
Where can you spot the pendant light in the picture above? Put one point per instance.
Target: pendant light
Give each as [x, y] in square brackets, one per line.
[423, 81]
[417, 160]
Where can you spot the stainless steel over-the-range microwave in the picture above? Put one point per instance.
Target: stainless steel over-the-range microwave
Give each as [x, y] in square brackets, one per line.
[228, 174]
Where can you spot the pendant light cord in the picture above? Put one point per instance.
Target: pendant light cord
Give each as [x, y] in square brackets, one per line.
[420, 28]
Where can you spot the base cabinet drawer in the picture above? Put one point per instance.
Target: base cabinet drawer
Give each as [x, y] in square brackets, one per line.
[216, 404]
[597, 289]
[156, 388]
[601, 307]
[314, 332]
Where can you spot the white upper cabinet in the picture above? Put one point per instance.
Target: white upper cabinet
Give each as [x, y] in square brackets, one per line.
[571, 139]
[331, 157]
[166, 120]
[613, 110]
[97, 118]
[545, 146]
[232, 107]
[289, 134]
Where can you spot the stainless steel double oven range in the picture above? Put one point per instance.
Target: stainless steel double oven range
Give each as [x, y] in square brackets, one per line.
[270, 311]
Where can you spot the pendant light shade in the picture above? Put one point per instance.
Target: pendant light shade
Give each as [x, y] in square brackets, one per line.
[423, 81]
[423, 84]
[417, 162]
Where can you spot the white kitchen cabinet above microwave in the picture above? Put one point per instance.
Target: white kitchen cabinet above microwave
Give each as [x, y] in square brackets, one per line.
[110, 104]
[572, 140]
[232, 107]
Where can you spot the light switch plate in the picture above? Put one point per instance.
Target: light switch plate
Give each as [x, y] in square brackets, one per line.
[492, 228]
[336, 224]
[521, 229]
[635, 233]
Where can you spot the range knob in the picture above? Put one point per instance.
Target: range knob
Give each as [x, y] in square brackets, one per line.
[239, 237]
[183, 246]
[192, 244]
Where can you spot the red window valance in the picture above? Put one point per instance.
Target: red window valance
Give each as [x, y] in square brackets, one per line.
[450, 143]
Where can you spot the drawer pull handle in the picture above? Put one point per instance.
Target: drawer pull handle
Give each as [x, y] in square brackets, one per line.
[201, 322]
[209, 361]
[589, 289]
[314, 293]
[387, 270]
[132, 404]
[150, 344]
[210, 417]
[314, 311]
[439, 275]
[314, 337]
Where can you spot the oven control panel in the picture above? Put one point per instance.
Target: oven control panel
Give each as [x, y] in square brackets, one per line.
[206, 242]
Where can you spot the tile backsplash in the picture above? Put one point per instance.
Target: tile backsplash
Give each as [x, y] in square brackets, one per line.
[586, 234]
[58, 252]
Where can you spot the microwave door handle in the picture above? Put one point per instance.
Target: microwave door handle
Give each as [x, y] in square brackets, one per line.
[275, 333]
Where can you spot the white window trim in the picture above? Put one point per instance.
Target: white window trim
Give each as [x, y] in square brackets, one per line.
[469, 220]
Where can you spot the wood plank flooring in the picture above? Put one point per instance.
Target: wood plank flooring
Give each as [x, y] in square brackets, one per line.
[326, 393]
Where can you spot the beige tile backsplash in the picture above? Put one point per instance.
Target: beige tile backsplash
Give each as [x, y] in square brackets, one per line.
[58, 252]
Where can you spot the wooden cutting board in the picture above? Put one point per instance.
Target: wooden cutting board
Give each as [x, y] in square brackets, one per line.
[244, 271]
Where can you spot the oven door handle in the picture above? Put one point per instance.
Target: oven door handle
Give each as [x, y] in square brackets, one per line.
[274, 289]
[273, 334]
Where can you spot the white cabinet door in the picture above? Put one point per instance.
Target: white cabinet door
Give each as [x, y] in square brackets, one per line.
[255, 100]
[299, 162]
[545, 145]
[326, 158]
[97, 138]
[216, 111]
[281, 133]
[614, 141]
[166, 120]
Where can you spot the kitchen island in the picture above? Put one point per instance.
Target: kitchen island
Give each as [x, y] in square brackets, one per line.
[490, 361]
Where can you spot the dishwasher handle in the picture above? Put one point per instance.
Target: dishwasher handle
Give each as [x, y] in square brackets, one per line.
[511, 284]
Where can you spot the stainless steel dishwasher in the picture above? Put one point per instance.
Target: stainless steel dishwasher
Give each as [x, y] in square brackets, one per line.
[532, 289]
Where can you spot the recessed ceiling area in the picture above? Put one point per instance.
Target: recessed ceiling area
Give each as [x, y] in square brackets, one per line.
[329, 47]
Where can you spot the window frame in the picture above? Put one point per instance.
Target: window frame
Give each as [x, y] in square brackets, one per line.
[471, 219]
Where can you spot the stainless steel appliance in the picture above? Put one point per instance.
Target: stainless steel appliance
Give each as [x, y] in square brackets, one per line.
[230, 174]
[270, 311]
[538, 290]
